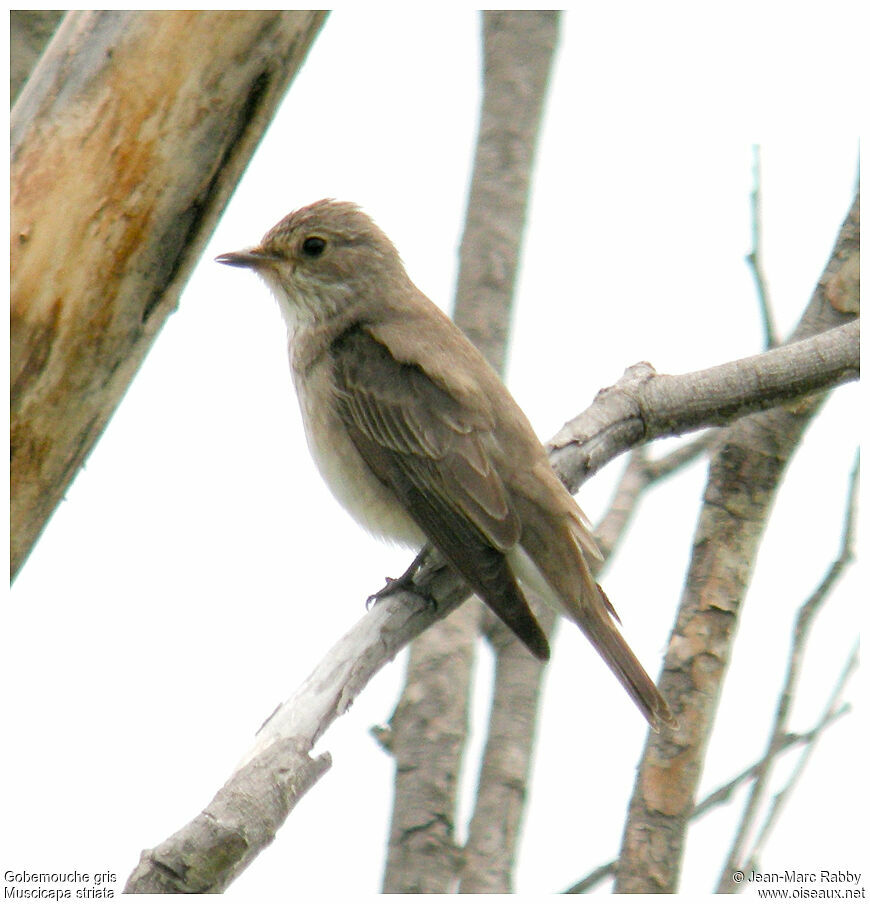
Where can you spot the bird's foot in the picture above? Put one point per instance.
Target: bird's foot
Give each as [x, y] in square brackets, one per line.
[404, 582]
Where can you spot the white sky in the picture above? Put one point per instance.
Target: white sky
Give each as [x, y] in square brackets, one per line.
[198, 569]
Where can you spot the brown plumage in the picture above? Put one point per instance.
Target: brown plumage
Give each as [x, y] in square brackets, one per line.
[419, 439]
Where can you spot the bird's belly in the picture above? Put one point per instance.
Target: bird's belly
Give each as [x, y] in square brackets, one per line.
[372, 504]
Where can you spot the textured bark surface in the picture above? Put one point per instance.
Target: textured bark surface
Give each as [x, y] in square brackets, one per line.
[127, 142]
[745, 471]
[490, 852]
[519, 47]
[643, 405]
[429, 730]
[212, 850]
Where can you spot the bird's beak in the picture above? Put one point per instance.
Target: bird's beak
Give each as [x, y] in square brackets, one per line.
[251, 257]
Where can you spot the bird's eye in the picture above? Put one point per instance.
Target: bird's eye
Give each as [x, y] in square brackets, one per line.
[313, 246]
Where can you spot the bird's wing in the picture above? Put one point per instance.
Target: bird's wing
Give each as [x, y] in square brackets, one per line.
[433, 452]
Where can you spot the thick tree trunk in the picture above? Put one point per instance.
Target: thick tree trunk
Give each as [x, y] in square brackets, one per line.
[127, 141]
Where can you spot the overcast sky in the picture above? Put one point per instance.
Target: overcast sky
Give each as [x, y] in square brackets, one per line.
[198, 569]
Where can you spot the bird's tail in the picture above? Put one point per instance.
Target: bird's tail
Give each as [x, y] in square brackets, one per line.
[562, 576]
[597, 625]
[593, 612]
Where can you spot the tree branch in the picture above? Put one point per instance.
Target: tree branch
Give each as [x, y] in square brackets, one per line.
[518, 679]
[781, 798]
[800, 638]
[639, 475]
[213, 849]
[752, 452]
[725, 792]
[402, 615]
[754, 256]
[643, 405]
[332, 687]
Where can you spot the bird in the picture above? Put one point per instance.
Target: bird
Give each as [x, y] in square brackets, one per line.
[418, 438]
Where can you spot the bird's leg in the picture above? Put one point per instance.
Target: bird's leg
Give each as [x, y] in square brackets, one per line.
[404, 582]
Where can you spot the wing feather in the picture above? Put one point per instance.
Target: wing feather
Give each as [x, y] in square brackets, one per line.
[433, 454]
[439, 445]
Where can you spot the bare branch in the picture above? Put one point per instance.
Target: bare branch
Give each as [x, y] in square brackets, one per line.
[754, 256]
[786, 742]
[207, 854]
[510, 735]
[494, 829]
[244, 816]
[394, 622]
[754, 451]
[518, 677]
[346, 669]
[643, 405]
[781, 798]
[596, 877]
[639, 475]
[664, 467]
[724, 793]
[800, 638]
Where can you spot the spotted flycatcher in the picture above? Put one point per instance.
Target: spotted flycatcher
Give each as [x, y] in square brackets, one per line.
[418, 438]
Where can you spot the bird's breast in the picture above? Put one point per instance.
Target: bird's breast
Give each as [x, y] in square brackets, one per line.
[372, 504]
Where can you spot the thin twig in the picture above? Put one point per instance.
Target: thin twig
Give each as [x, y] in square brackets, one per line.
[780, 741]
[596, 877]
[800, 637]
[664, 467]
[754, 256]
[781, 798]
[639, 475]
[725, 792]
